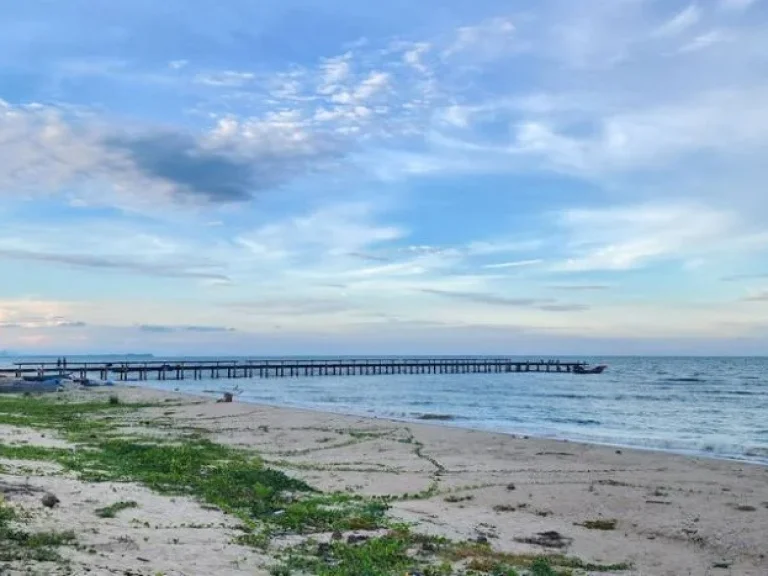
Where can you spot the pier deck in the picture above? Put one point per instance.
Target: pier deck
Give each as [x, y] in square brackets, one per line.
[285, 368]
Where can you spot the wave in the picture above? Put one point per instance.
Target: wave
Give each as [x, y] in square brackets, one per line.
[684, 379]
[580, 421]
[442, 417]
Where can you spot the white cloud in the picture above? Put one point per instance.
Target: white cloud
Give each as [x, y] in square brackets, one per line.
[487, 39]
[514, 264]
[629, 237]
[737, 5]
[375, 83]
[680, 22]
[35, 313]
[51, 150]
[726, 121]
[334, 73]
[226, 78]
[413, 56]
[705, 41]
[334, 231]
[178, 64]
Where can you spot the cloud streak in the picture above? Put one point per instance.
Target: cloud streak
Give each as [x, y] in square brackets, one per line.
[117, 263]
[169, 329]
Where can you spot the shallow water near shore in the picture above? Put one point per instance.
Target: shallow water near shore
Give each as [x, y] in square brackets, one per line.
[715, 407]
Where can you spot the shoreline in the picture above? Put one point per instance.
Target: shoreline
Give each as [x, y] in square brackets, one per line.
[454, 421]
[495, 496]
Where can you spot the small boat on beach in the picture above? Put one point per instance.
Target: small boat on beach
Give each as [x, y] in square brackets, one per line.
[584, 370]
[47, 377]
[93, 383]
[31, 386]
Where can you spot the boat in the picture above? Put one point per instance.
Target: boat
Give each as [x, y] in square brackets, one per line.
[92, 383]
[47, 377]
[584, 370]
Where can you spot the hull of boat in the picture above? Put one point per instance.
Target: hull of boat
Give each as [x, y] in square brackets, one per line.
[21, 386]
[595, 370]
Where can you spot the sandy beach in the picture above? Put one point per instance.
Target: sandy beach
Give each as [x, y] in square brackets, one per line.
[617, 511]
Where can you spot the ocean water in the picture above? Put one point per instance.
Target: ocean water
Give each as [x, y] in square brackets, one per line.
[715, 407]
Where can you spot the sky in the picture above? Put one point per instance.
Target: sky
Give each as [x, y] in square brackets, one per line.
[340, 177]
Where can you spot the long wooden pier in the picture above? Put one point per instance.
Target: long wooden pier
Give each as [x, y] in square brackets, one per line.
[289, 368]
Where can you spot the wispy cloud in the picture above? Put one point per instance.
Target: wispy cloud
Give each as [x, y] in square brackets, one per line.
[581, 287]
[630, 237]
[739, 277]
[705, 41]
[491, 299]
[226, 78]
[167, 329]
[564, 307]
[737, 5]
[760, 296]
[488, 39]
[680, 22]
[120, 263]
[514, 264]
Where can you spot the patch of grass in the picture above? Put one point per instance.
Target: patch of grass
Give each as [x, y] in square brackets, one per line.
[376, 557]
[78, 421]
[454, 498]
[327, 513]
[112, 510]
[401, 551]
[468, 551]
[600, 524]
[486, 566]
[232, 480]
[541, 567]
[18, 545]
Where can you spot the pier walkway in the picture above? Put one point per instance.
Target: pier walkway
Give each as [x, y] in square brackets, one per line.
[285, 368]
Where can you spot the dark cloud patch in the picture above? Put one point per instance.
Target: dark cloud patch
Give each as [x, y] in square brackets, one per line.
[480, 298]
[164, 270]
[226, 173]
[71, 325]
[214, 175]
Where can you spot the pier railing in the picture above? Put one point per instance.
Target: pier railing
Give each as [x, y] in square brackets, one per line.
[283, 367]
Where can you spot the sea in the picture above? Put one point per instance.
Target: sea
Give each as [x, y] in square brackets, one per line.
[714, 407]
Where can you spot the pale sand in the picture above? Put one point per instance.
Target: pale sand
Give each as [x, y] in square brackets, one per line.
[676, 515]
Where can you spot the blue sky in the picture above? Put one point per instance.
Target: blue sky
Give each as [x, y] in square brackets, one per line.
[544, 177]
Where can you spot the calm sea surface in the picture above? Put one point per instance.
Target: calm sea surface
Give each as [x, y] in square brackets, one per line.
[708, 406]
